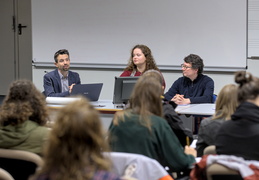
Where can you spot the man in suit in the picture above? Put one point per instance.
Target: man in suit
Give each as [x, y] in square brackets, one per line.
[60, 82]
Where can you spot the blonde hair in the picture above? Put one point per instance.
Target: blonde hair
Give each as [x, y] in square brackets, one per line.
[76, 142]
[226, 102]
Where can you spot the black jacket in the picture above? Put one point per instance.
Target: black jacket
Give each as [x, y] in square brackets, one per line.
[239, 136]
[176, 123]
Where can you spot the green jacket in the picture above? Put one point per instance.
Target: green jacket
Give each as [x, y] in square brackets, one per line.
[160, 144]
[28, 136]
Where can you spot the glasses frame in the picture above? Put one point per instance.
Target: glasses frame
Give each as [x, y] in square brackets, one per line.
[185, 67]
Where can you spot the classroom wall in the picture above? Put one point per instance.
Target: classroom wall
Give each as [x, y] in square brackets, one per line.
[107, 77]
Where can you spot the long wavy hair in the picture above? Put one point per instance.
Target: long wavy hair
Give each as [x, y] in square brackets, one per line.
[76, 142]
[226, 102]
[23, 102]
[150, 61]
[248, 86]
[145, 100]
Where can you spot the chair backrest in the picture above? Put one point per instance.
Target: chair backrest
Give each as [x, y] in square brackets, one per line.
[210, 150]
[4, 175]
[214, 98]
[219, 172]
[144, 167]
[20, 164]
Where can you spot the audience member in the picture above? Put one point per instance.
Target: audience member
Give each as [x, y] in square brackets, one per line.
[59, 83]
[23, 115]
[75, 146]
[239, 136]
[193, 87]
[170, 115]
[141, 129]
[141, 60]
[226, 105]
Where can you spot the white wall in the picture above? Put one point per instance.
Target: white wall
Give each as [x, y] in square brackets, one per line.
[107, 77]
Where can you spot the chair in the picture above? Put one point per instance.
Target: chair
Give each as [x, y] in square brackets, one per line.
[143, 167]
[20, 164]
[210, 150]
[4, 175]
[219, 172]
[214, 98]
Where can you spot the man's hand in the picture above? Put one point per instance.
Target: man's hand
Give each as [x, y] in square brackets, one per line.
[71, 87]
[179, 99]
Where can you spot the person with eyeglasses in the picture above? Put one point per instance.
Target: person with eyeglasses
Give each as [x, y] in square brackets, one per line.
[193, 87]
[59, 83]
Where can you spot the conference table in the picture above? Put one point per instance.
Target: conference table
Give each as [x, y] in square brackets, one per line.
[206, 109]
[107, 109]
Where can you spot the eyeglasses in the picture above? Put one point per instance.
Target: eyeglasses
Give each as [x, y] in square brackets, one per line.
[185, 67]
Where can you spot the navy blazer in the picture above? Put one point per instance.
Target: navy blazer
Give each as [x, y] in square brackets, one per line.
[52, 83]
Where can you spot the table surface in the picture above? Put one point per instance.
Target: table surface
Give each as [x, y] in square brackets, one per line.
[207, 109]
[108, 106]
[101, 105]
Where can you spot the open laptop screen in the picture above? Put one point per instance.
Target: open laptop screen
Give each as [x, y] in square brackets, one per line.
[90, 91]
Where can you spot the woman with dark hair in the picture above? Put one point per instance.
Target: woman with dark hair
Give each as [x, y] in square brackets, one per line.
[141, 60]
[239, 136]
[141, 128]
[75, 147]
[23, 116]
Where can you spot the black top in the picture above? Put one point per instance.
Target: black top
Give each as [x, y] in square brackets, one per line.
[240, 135]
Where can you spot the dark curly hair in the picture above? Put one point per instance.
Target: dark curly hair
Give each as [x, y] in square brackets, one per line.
[150, 61]
[195, 61]
[23, 102]
[248, 86]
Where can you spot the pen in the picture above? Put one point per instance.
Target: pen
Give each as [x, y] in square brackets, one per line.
[187, 141]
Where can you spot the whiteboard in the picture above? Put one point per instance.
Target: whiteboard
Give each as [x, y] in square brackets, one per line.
[253, 29]
[104, 31]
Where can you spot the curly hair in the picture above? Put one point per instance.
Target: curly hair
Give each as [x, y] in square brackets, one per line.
[150, 61]
[23, 102]
[248, 86]
[75, 145]
[195, 61]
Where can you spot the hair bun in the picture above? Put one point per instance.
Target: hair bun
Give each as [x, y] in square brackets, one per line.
[243, 77]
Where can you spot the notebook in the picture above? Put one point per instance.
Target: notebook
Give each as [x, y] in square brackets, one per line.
[90, 91]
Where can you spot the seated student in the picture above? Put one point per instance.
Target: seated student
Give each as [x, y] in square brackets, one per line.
[239, 136]
[75, 146]
[170, 115]
[226, 105]
[23, 116]
[141, 60]
[59, 83]
[193, 87]
[141, 129]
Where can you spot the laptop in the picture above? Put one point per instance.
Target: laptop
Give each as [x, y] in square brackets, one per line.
[90, 91]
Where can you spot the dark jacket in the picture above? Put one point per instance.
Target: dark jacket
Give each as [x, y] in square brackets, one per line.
[207, 133]
[52, 83]
[199, 91]
[239, 136]
[176, 123]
